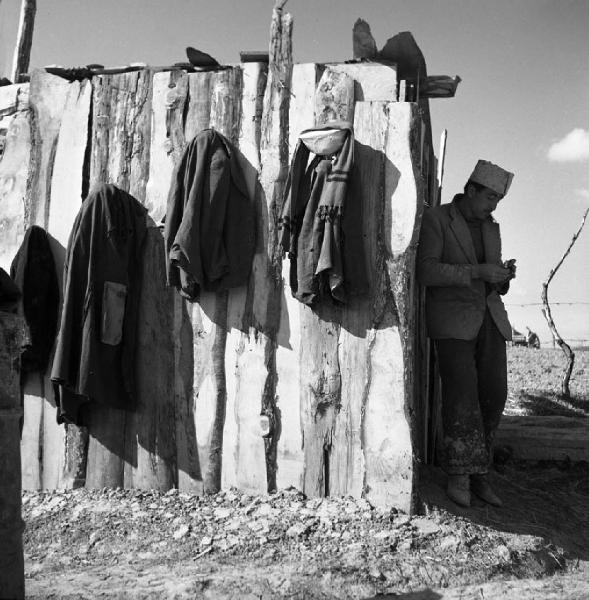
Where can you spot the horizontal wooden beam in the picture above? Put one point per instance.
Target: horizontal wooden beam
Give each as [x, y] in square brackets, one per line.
[545, 438]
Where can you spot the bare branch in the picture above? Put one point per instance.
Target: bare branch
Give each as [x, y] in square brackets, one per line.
[570, 355]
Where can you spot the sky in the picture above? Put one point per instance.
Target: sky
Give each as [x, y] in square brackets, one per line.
[523, 102]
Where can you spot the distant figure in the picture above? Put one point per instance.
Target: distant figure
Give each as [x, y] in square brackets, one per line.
[459, 260]
[532, 339]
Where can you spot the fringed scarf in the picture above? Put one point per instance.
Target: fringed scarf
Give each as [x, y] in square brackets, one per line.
[311, 217]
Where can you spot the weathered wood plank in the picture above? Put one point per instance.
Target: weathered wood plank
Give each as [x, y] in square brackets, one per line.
[372, 82]
[121, 131]
[48, 95]
[24, 40]
[188, 89]
[64, 197]
[334, 99]
[198, 115]
[63, 448]
[245, 408]
[15, 148]
[260, 348]
[388, 444]
[210, 386]
[321, 381]
[120, 155]
[31, 438]
[53, 444]
[151, 429]
[545, 438]
[169, 96]
[290, 455]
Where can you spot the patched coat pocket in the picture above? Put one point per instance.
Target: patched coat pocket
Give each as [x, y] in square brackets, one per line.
[113, 312]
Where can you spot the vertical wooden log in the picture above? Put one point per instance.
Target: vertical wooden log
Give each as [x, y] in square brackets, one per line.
[22, 52]
[320, 330]
[150, 428]
[12, 577]
[15, 144]
[211, 401]
[31, 438]
[198, 114]
[64, 197]
[48, 95]
[243, 409]
[290, 444]
[388, 420]
[63, 447]
[183, 125]
[259, 347]
[120, 155]
[169, 99]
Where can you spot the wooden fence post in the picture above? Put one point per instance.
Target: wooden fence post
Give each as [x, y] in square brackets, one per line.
[24, 41]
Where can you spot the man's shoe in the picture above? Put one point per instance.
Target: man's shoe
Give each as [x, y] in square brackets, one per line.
[458, 489]
[479, 484]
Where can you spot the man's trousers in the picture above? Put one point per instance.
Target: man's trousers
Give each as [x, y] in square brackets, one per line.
[474, 391]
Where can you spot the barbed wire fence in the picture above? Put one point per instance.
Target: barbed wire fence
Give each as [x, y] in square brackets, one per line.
[577, 341]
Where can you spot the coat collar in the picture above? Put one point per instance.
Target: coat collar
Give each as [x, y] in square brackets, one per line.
[490, 232]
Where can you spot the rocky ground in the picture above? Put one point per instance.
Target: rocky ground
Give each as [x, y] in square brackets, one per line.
[138, 544]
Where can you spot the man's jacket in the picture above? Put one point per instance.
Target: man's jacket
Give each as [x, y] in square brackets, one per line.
[210, 228]
[95, 352]
[455, 302]
[33, 271]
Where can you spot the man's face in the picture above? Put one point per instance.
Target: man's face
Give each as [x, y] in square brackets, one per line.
[482, 203]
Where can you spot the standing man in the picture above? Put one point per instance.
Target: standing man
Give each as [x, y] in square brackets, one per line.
[459, 260]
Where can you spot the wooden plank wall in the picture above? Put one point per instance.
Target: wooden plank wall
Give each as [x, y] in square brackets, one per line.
[246, 388]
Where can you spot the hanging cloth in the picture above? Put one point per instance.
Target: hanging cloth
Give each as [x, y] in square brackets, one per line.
[210, 227]
[322, 242]
[95, 351]
[33, 271]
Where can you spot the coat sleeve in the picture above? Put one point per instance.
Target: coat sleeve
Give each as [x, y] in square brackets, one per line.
[431, 271]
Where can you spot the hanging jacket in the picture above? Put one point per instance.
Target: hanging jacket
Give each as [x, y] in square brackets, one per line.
[321, 224]
[33, 271]
[10, 293]
[210, 220]
[94, 356]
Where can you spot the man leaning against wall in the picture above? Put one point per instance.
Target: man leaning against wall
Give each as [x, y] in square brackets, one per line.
[459, 261]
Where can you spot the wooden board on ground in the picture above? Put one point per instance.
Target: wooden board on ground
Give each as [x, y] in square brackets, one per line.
[545, 438]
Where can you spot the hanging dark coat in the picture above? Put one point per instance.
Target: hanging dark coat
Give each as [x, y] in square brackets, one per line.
[210, 219]
[94, 356]
[33, 271]
[321, 223]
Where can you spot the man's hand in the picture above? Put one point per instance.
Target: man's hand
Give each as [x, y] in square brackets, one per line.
[490, 273]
